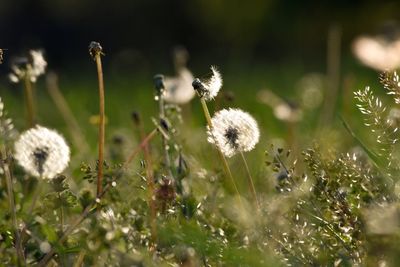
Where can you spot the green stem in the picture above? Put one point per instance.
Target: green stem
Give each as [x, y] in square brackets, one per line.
[11, 203]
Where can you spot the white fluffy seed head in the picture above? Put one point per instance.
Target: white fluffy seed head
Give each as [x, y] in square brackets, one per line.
[209, 89]
[42, 152]
[233, 131]
[179, 90]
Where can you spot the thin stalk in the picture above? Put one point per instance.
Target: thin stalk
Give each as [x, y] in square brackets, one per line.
[101, 124]
[150, 181]
[167, 160]
[250, 181]
[65, 111]
[91, 207]
[13, 210]
[333, 73]
[29, 99]
[221, 155]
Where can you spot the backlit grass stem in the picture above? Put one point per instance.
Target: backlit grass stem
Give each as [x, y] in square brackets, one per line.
[30, 110]
[96, 51]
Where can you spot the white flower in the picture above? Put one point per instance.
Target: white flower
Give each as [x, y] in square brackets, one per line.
[34, 67]
[42, 152]
[179, 90]
[377, 52]
[209, 88]
[233, 131]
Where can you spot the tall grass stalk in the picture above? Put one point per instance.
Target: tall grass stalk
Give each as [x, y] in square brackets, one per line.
[96, 52]
[28, 91]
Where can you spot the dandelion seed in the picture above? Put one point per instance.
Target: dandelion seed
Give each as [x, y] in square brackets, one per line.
[42, 152]
[209, 88]
[233, 131]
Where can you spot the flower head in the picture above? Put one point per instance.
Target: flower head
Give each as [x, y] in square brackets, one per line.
[42, 152]
[233, 131]
[209, 88]
[33, 66]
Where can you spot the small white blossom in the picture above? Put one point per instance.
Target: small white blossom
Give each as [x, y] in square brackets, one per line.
[233, 131]
[209, 88]
[42, 152]
[179, 90]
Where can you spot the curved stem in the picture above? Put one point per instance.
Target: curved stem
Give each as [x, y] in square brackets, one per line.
[101, 124]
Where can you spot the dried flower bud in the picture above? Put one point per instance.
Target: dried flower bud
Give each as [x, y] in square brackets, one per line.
[159, 83]
[95, 49]
[164, 124]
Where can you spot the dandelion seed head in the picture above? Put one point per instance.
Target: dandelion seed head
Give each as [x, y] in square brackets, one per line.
[233, 131]
[42, 152]
[209, 88]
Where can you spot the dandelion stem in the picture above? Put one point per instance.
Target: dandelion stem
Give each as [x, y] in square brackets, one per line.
[29, 98]
[13, 211]
[97, 58]
[86, 212]
[250, 181]
[150, 180]
[223, 159]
